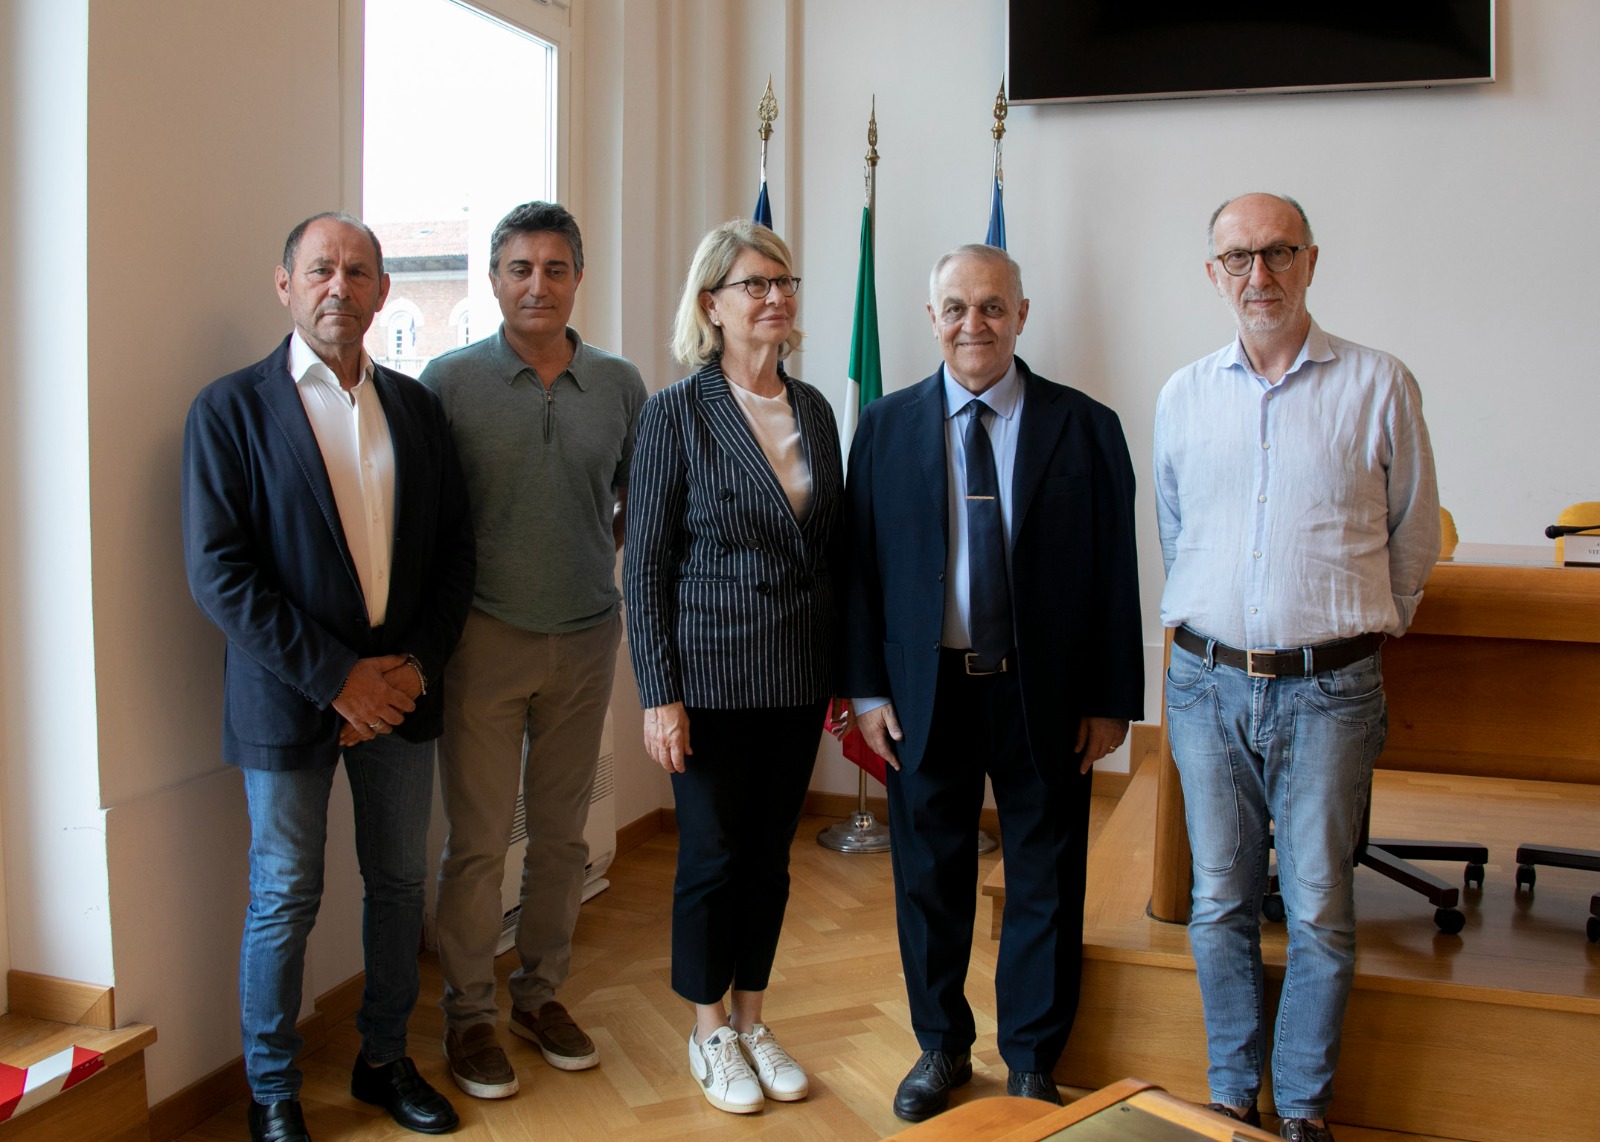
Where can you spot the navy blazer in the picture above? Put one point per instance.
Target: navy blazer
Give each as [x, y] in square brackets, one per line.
[1075, 584]
[730, 599]
[269, 565]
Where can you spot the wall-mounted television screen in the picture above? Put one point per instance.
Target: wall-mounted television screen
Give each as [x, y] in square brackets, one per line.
[1086, 50]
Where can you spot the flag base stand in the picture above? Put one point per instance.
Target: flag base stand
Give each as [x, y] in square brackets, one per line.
[862, 833]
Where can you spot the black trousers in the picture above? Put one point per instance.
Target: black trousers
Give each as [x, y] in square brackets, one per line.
[738, 801]
[978, 729]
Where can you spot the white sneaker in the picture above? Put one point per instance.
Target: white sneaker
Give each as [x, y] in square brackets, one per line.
[722, 1073]
[779, 1075]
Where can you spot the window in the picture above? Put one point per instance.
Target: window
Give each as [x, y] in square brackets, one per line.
[460, 126]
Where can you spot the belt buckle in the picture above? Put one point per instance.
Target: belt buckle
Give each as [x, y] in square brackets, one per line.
[966, 662]
[1250, 664]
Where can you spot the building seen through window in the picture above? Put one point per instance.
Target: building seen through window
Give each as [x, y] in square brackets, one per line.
[459, 128]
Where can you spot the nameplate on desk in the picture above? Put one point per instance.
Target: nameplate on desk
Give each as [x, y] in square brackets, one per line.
[1582, 551]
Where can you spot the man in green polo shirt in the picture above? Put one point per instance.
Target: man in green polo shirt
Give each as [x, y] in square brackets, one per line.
[544, 427]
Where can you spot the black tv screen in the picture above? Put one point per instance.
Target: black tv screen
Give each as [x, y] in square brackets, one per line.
[1061, 50]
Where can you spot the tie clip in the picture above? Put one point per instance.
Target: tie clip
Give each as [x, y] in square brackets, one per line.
[980, 497]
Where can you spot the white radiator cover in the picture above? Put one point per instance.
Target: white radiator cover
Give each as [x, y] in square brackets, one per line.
[600, 833]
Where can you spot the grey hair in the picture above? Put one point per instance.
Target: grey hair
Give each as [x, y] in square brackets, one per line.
[1211, 227]
[695, 341]
[537, 218]
[976, 250]
[291, 245]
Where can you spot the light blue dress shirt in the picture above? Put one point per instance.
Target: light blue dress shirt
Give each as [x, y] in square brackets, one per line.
[1004, 398]
[1297, 512]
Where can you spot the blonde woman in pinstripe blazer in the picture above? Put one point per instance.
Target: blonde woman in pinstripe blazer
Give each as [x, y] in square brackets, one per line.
[728, 579]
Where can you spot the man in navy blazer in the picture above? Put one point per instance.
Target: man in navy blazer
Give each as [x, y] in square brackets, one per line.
[327, 534]
[991, 627]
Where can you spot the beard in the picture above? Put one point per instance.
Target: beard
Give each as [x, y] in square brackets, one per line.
[1255, 321]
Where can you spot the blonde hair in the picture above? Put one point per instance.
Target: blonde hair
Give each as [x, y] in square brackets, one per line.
[695, 341]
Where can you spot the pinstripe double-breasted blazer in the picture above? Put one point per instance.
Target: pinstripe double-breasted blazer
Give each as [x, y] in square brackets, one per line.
[730, 599]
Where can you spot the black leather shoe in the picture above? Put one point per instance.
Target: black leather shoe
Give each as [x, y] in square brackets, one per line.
[399, 1089]
[1033, 1084]
[1251, 1116]
[1303, 1130]
[280, 1122]
[925, 1091]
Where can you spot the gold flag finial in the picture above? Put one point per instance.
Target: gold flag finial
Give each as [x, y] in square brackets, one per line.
[872, 135]
[767, 109]
[1000, 107]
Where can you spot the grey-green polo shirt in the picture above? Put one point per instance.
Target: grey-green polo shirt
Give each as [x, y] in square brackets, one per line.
[542, 471]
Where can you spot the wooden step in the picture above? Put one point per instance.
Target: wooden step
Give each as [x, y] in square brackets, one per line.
[1449, 1035]
[109, 1106]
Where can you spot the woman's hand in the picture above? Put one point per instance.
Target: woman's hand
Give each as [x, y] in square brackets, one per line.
[666, 736]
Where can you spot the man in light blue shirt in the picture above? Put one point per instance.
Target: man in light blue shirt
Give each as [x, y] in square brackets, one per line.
[1299, 519]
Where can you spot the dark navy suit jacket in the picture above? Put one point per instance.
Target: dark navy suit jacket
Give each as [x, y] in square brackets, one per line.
[730, 599]
[268, 562]
[1075, 585]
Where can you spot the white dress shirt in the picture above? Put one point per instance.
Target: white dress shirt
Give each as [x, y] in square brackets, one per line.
[1298, 512]
[358, 452]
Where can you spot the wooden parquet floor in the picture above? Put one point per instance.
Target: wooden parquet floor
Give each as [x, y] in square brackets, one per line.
[837, 1001]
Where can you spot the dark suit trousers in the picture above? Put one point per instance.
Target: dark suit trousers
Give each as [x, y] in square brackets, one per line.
[978, 728]
[738, 803]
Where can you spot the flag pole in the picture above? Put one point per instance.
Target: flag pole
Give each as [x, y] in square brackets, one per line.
[862, 833]
[997, 210]
[766, 111]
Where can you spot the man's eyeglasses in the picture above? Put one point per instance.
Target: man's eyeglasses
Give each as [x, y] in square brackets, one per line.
[1276, 258]
[758, 287]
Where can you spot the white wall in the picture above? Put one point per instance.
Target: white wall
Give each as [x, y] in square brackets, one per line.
[53, 825]
[10, 95]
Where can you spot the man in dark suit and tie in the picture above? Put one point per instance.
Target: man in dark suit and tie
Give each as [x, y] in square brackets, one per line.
[327, 534]
[992, 627]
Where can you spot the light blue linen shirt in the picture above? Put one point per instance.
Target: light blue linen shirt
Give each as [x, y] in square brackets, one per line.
[1005, 398]
[1296, 512]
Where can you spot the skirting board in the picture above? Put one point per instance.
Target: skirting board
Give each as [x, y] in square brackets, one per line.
[61, 1000]
[183, 1110]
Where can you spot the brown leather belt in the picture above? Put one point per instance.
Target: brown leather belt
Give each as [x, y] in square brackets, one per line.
[1293, 662]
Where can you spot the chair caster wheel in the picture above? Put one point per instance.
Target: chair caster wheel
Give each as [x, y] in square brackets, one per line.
[1473, 876]
[1272, 908]
[1593, 929]
[1449, 921]
[1525, 877]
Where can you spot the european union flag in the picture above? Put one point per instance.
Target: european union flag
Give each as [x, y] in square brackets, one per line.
[764, 206]
[997, 217]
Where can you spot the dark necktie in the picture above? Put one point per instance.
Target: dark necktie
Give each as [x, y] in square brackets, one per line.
[990, 597]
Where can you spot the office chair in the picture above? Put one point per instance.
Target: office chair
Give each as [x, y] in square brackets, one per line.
[1391, 857]
[1553, 856]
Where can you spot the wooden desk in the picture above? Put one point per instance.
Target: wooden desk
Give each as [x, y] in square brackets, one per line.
[1130, 1110]
[1499, 676]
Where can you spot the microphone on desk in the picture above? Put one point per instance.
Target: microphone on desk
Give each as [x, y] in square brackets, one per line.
[1556, 530]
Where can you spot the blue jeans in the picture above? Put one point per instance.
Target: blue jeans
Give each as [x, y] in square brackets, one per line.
[1300, 752]
[391, 785]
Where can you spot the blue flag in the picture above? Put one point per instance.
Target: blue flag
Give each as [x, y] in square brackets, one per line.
[997, 218]
[764, 206]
